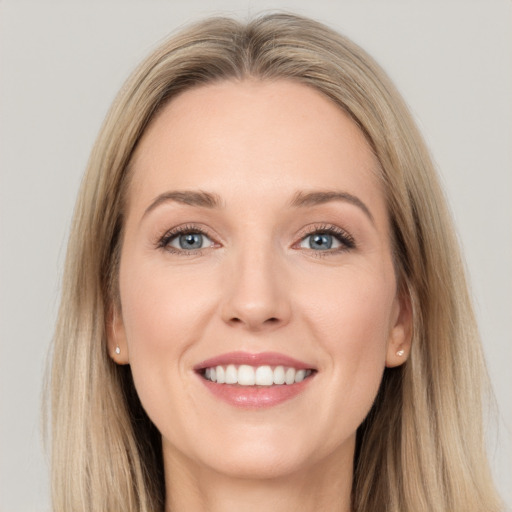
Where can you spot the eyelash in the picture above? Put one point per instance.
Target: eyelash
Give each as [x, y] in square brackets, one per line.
[345, 239]
[164, 241]
[341, 236]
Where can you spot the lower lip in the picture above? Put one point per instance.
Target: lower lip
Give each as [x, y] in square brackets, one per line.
[255, 397]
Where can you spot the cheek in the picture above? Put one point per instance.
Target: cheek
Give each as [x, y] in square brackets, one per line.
[352, 310]
[164, 313]
[352, 320]
[162, 307]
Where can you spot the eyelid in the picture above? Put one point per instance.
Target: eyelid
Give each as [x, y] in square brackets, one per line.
[343, 236]
[164, 239]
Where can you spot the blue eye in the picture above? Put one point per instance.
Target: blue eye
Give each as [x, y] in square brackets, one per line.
[190, 241]
[320, 242]
[329, 239]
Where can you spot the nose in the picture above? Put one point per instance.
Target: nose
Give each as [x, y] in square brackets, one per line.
[256, 296]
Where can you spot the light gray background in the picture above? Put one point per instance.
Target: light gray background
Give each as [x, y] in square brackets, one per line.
[61, 65]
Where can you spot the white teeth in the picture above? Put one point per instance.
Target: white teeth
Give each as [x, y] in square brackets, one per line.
[221, 378]
[246, 375]
[290, 376]
[231, 374]
[300, 375]
[264, 376]
[279, 375]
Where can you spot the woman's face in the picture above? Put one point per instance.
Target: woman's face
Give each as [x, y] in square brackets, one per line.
[257, 243]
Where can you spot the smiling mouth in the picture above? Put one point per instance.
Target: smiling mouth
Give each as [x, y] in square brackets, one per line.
[255, 381]
[247, 375]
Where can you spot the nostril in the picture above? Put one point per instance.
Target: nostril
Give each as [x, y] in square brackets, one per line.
[269, 321]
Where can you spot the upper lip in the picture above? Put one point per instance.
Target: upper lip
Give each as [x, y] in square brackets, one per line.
[260, 359]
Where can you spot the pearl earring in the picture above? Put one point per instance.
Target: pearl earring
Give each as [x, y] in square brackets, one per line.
[118, 350]
[400, 353]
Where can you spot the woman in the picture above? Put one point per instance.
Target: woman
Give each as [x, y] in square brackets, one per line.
[264, 303]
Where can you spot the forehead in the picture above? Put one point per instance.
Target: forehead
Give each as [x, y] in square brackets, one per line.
[262, 138]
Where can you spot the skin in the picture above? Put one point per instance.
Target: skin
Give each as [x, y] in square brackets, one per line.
[257, 286]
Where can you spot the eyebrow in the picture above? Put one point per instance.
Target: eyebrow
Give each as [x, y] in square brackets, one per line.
[300, 199]
[318, 197]
[189, 197]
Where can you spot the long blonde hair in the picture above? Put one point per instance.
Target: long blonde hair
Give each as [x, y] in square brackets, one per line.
[421, 448]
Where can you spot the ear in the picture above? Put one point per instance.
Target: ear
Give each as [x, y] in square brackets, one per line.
[400, 336]
[116, 337]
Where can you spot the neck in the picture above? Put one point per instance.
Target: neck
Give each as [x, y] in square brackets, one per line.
[326, 486]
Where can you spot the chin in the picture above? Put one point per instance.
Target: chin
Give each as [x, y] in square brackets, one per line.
[270, 456]
[257, 464]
